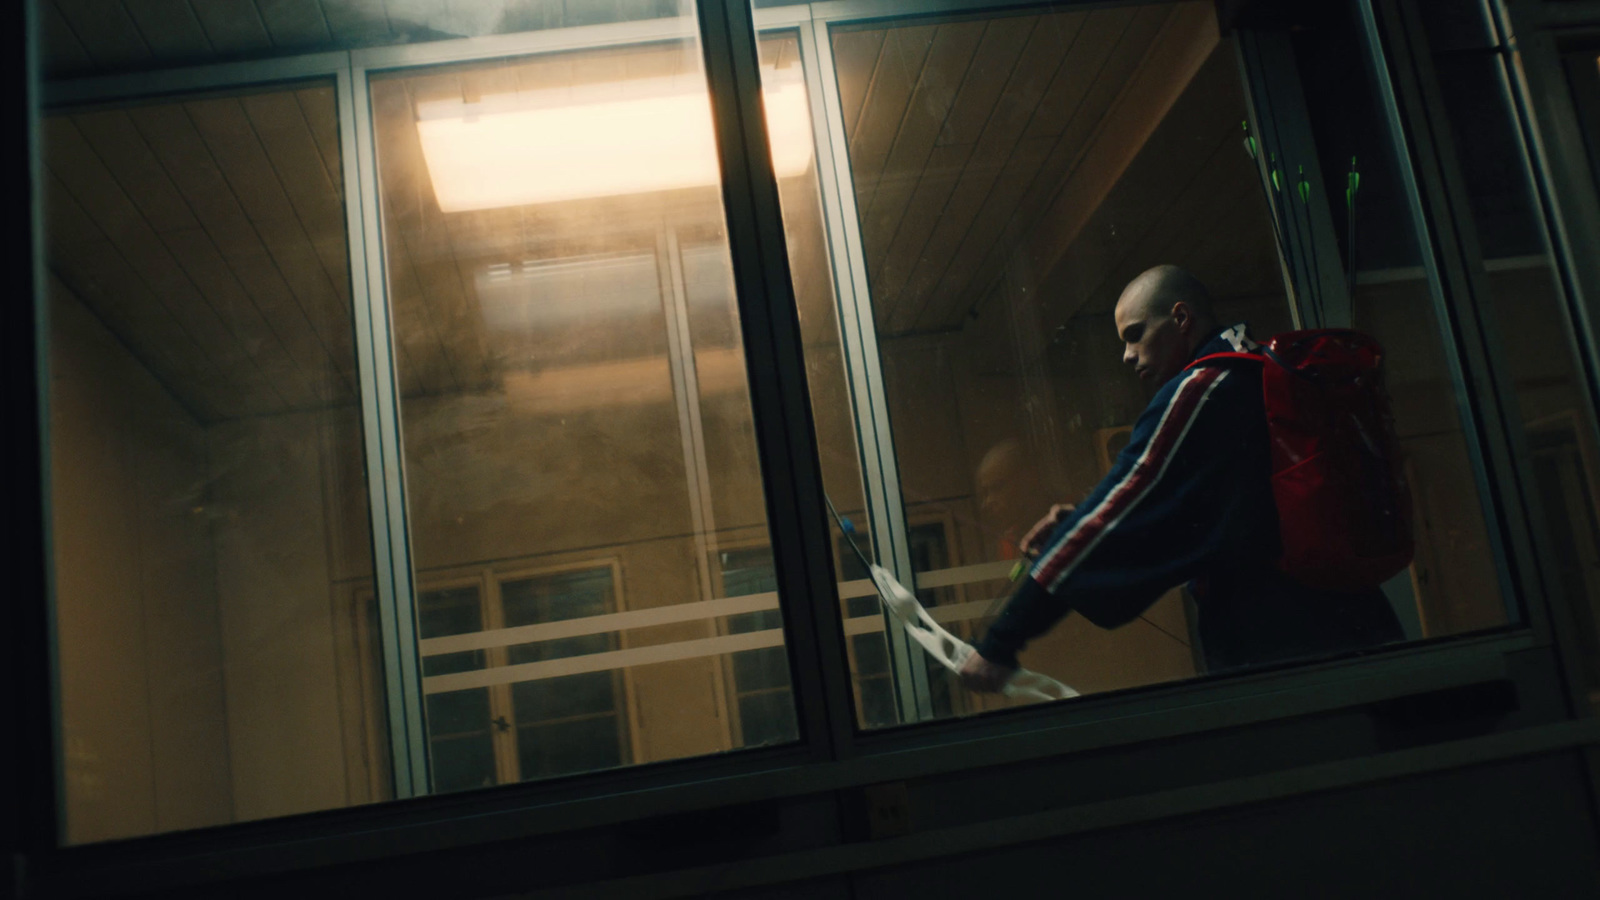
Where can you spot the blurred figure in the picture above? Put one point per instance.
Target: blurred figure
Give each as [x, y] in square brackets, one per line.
[1009, 498]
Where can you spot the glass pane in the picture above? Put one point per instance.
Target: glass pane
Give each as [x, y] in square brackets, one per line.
[576, 421]
[1524, 289]
[1453, 585]
[1007, 176]
[209, 507]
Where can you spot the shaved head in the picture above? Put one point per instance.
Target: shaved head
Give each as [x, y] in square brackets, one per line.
[1163, 315]
[1159, 287]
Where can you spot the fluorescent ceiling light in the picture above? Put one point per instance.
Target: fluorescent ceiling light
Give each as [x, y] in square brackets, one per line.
[604, 140]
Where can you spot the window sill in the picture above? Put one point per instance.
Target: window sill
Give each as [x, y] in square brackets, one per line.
[1128, 718]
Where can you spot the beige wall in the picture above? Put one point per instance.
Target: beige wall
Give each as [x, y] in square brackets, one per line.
[491, 483]
[140, 655]
[276, 608]
[199, 655]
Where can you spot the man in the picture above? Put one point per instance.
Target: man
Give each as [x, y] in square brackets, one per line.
[1188, 500]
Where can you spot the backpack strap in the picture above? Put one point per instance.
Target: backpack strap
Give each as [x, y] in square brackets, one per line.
[1217, 357]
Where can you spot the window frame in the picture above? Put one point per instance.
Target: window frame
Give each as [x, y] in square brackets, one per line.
[1544, 43]
[833, 753]
[626, 709]
[1464, 302]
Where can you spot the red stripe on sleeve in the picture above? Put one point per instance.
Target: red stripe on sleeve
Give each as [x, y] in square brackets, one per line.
[1054, 567]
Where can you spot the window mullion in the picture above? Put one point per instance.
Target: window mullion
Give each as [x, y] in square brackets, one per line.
[773, 357]
[858, 332]
[402, 666]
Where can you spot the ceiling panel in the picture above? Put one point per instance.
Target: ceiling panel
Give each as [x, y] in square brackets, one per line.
[106, 33]
[234, 29]
[295, 23]
[209, 237]
[983, 147]
[1044, 161]
[883, 205]
[169, 28]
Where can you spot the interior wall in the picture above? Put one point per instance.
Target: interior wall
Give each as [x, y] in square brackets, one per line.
[276, 609]
[200, 657]
[140, 655]
[603, 482]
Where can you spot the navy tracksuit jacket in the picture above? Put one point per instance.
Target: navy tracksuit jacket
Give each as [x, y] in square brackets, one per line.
[1190, 500]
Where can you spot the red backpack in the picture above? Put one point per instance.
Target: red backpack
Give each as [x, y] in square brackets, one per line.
[1344, 511]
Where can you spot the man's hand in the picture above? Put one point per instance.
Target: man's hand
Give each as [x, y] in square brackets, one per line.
[979, 674]
[1032, 543]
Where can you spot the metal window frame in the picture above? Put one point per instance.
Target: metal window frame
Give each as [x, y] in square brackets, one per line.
[835, 755]
[858, 336]
[1549, 611]
[380, 405]
[35, 824]
[1563, 175]
[1542, 40]
[1486, 399]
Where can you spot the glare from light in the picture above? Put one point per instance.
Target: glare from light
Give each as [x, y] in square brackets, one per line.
[603, 140]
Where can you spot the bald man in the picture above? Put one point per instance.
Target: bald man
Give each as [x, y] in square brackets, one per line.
[1189, 500]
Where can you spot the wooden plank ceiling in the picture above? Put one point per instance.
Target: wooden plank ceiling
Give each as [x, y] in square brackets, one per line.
[97, 37]
[1065, 151]
[209, 236]
[1074, 148]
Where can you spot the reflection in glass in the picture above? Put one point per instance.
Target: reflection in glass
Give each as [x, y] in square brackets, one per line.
[1009, 175]
[577, 427]
[208, 501]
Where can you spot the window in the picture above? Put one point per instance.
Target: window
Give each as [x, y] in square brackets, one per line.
[572, 380]
[413, 430]
[565, 723]
[545, 722]
[1001, 177]
[461, 725]
[760, 677]
[1524, 304]
[206, 454]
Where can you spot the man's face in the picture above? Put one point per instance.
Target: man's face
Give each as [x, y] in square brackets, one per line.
[1001, 485]
[1153, 336]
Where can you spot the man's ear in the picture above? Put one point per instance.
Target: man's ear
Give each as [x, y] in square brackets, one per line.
[1183, 317]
